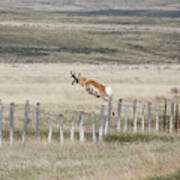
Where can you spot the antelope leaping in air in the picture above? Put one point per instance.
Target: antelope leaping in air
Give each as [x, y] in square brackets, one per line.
[93, 87]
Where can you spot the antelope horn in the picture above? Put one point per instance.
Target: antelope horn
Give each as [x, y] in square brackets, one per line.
[74, 77]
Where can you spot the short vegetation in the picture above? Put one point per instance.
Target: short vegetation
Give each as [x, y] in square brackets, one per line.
[133, 46]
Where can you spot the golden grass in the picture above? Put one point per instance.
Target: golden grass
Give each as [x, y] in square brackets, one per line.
[88, 161]
[50, 84]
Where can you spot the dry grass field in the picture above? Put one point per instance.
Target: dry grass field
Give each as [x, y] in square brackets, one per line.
[133, 46]
[51, 85]
[89, 161]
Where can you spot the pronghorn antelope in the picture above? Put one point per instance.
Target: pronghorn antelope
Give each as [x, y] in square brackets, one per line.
[93, 87]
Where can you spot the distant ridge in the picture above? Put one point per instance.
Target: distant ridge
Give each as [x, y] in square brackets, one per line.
[152, 8]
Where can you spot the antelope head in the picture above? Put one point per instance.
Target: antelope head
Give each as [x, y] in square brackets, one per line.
[81, 80]
[75, 78]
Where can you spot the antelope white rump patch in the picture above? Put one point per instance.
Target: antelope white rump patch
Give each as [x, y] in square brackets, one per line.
[109, 91]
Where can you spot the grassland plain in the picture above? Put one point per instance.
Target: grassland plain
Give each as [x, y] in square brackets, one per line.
[121, 156]
[61, 38]
[88, 161]
[50, 84]
[85, 5]
[134, 48]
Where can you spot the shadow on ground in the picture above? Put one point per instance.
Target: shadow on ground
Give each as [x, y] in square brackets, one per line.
[130, 13]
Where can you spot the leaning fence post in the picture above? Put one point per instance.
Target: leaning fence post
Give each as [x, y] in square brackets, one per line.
[126, 116]
[11, 123]
[101, 123]
[93, 127]
[72, 128]
[177, 117]
[107, 125]
[25, 121]
[165, 115]
[149, 116]
[157, 116]
[50, 128]
[171, 118]
[37, 121]
[81, 129]
[119, 115]
[61, 129]
[1, 133]
[135, 115]
[143, 116]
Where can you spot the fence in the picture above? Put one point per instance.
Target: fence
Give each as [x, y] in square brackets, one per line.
[153, 118]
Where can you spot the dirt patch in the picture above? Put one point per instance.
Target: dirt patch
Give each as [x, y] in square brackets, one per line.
[35, 51]
[88, 50]
[24, 51]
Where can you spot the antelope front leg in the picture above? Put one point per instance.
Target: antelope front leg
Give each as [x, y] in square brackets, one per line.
[89, 90]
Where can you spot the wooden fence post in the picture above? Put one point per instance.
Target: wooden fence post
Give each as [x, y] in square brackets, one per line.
[171, 121]
[165, 115]
[143, 116]
[61, 129]
[119, 115]
[50, 128]
[157, 116]
[1, 131]
[81, 129]
[38, 121]
[93, 127]
[107, 125]
[25, 121]
[11, 123]
[149, 116]
[135, 115]
[126, 116]
[101, 123]
[72, 128]
[177, 118]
